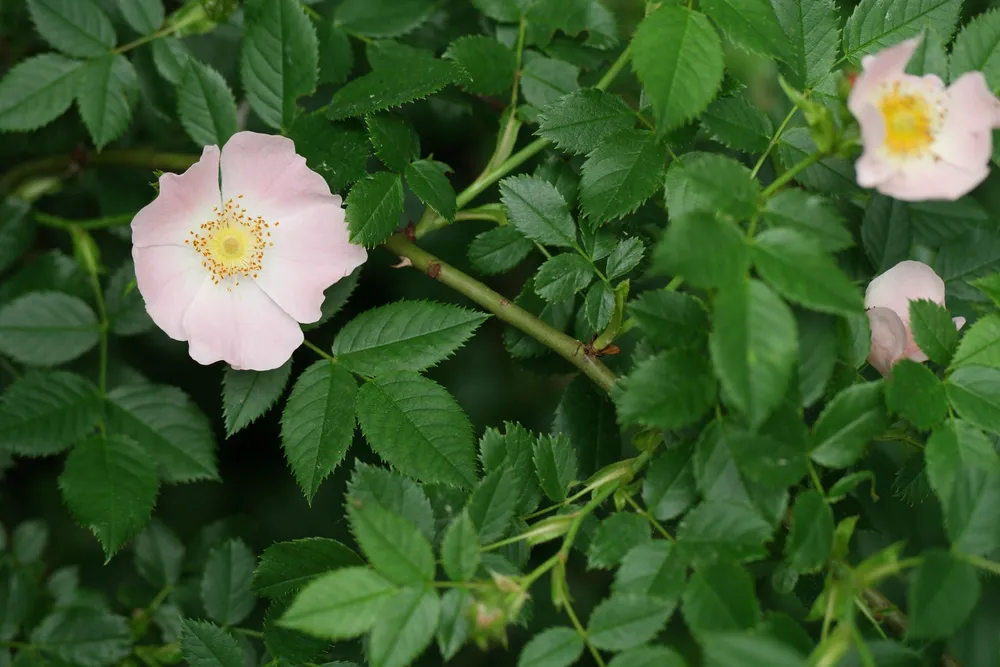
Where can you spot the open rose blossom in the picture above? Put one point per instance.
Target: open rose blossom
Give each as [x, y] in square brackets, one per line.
[233, 270]
[887, 301]
[921, 140]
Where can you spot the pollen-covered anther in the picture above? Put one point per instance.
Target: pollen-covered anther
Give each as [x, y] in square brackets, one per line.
[232, 244]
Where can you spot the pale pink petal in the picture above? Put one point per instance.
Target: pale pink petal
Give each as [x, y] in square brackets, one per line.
[959, 322]
[888, 339]
[168, 277]
[185, 201]
[907, 281]
[971, 104]
[311, 252]
[872, 169]
[886, 64]
[241, 326]
[274, 180]
[933, 180]
[964, 150]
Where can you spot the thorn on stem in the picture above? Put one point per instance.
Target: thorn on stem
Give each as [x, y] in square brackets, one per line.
[434, 269]
[403, 263]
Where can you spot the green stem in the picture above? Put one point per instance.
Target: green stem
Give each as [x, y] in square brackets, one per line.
[773, 142]
[95, 223]
[791, 173]
[129, 157]
[617, 315]
[102, 377]
[982, 563]
[565, 346]
[815, 479]
[580, 630]
[318, 350]
[162, 32]
[643, 512]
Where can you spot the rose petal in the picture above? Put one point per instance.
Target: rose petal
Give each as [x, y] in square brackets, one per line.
[185, 201]
[871, 168]
[886, 64]
[907, 281]
[933, 180]
[971, 104]
[168, 277]
[889, 338]
[241, 326]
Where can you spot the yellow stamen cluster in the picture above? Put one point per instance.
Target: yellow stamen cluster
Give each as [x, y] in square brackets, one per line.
[912, 120]
[232, 245]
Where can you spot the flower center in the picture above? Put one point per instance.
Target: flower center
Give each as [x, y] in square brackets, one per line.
[233, 244]
[912, 120]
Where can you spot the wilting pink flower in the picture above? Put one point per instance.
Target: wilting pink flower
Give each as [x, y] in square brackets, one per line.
[921, 140]
[887, 301]
[233, 270]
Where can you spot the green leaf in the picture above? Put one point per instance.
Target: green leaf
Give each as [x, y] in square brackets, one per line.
[877, 24]
[669, 391]
[972, 255]
[287, 567]
[374, 207]
[736, 123]
[536, 209]
[289, 645]
[552, 647]
[937, 223]
[678, 58]
[829, 175]
[580, 121]
[47, 328]
[108, 89]
[850, 421]
[812, 28]
[717, 530]
[977, 48]
[85, 637]
[754, 348]
[655, 570]
[75, 27]
[279, 60]
[562, 276]
[625, 257]
[405, 628]
[171, 58]
[382, 18]
[453, 628]
[489, 64]
[158, 555]
[929, 57]
[416, 425]
[990, 286]
[512, 450]
[980, 346]
[395, 141]
[388, 489]
[492, 504]
[915, 393]
[817, 354]
[810, 215]
[37, 90]
[205, 644]
[614, 537]
[317, 424]
[405, 335]
[587, 417]
[429, 182]
[803, 272]
[670, 319]
[340, 604]
[169, 426]
[393, 544]
[625, 621]
[974, 393]
[710, 183]
[742, 650]
[555, 465]
[545, 80]
[336, 151]
[246, 395]
[110, 486]
[669, 487]
[17, 230]
[599, 305]
[460, 548]
[751, 24]
[127, 314]
[336, 57]
[620, 174]
[499, 250]
[886, 232]
[943, 592]
[648, 656]
[145, 16]
[811, 537]
[705, 250]
[28, 541]
[43, 413]
[720, 598]
[401, 74]
[205, 105]
[775, 457]
[225, 584]
[933, 330]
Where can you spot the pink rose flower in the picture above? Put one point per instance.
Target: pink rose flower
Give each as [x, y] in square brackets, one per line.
[921, 140]
[887, 301]
[233, 270]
